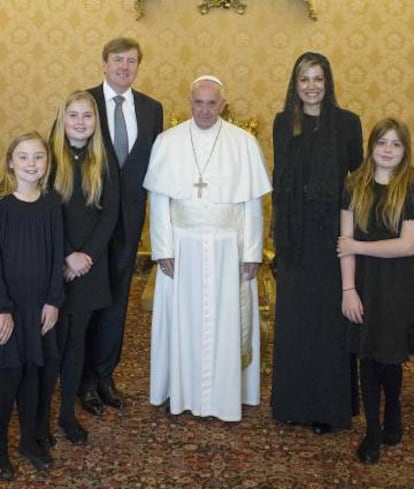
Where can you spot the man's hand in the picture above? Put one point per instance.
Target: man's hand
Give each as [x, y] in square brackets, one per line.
[167, 266]
[250, 270]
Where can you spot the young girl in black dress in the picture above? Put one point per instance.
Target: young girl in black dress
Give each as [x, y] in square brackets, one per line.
[88, 184]
[31, 291]
[376, 248]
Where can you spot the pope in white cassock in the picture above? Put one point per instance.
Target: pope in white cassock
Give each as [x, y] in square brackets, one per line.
[206, 179]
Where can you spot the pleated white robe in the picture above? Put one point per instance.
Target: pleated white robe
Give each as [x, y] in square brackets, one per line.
[196, 332]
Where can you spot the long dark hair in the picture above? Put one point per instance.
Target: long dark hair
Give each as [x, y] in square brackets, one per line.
[293, 104]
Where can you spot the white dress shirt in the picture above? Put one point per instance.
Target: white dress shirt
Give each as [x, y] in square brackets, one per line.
[128, 109]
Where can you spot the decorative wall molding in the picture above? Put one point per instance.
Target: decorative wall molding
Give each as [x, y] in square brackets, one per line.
[312, 10]
[139, 8]
[238, 5]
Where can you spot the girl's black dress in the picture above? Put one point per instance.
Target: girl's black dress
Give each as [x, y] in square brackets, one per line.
[386, 289]
[89, 229]
[31, 275]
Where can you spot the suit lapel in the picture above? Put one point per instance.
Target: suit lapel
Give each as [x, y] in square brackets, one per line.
[100, 100]
[138, 113]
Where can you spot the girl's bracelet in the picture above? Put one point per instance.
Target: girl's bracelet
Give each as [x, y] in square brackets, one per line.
[350, 288]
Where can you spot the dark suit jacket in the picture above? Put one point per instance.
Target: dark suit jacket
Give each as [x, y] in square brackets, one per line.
[132, 194]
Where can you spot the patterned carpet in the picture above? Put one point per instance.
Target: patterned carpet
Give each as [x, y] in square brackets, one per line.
[142, 447]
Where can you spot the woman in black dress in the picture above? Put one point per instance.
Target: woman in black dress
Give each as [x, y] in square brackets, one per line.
[315, 144]
[376, 249]
[88, 184]
[31, 291]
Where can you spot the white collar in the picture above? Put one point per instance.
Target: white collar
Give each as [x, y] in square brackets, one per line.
[109, 93]
[205, 132]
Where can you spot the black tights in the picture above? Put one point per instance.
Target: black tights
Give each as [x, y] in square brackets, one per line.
[374, 376]
[31, 387]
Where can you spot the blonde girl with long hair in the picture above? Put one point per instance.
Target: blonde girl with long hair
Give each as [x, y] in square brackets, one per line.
[376, 249]
[31, 292]
[87, 181]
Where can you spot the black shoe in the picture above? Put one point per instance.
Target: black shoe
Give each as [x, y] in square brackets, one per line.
[167, 406]
[110, 396]
[321, 428]
[391, 437]
[392, 430]
[92, 403]
[74, 431]
[289, 422]
[37, 456]
[6, 469]
[369, 450]
[47, 441]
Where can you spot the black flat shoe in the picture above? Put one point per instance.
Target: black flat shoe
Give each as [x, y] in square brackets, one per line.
[46, 442]
[74, 432]
[392, 437]
[166, 406]
[289, 422]
[37, 456]
[369, 450]
[111, 396]
[321, 428]
[392, 430]
[92, 403]
[6, 469]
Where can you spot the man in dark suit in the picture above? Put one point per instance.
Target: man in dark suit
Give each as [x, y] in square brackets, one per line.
[142, 118]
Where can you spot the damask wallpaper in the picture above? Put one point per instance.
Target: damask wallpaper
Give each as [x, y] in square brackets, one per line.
[50, 47]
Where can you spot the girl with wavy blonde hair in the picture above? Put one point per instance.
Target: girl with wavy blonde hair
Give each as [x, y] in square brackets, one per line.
[8, 181]
[95, 161]
[87, 180]
[31, 293]
[376, 248]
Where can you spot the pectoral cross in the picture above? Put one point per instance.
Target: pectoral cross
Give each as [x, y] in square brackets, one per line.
[200, 185]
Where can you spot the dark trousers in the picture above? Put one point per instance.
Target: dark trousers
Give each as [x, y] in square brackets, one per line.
[32, 388]
[106, 330]
[71, 338]
[376, 377]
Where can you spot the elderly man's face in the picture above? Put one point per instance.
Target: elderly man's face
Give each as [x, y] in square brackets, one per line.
[206, 103]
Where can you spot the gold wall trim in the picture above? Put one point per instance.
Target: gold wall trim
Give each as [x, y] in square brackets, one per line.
[139, 8]
[312, 10]
[237, 5]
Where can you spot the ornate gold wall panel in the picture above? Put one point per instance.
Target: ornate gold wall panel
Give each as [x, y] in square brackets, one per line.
[51, 47]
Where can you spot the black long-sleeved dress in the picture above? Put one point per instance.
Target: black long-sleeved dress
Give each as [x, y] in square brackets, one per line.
[311, 376]
[31, 275]
[89, 229]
